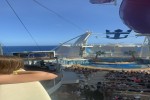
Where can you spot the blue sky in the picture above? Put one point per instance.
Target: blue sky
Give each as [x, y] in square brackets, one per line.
[74, 18]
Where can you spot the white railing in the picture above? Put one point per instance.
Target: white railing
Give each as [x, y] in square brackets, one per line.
[52, 85]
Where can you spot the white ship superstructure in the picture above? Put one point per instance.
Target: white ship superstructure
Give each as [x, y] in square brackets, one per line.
[80, 48]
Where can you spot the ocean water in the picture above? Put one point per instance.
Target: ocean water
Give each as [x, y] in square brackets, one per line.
[8, 50]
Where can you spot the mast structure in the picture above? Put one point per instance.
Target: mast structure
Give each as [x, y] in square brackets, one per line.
[146, 43]
[1, 50]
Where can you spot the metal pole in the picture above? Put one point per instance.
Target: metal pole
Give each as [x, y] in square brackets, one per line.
[54, 82]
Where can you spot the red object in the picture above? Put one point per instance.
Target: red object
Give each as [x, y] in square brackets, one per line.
[136, 15]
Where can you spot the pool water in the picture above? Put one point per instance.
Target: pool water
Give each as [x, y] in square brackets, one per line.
[86, 62]
[122, 66]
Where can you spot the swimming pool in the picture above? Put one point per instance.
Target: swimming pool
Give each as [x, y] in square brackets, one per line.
[86, 62]
[118, 66]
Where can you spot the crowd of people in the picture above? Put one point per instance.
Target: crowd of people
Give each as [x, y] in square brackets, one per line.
[136, 82]
[118, 85]
[130, 80]
[87, 91]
